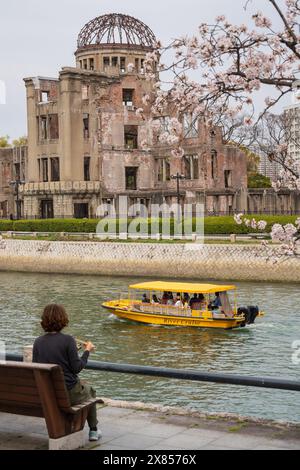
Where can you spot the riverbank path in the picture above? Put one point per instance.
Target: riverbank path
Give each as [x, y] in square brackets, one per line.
[143, 428]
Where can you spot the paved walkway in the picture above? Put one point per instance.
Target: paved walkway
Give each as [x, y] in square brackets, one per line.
[135, 429]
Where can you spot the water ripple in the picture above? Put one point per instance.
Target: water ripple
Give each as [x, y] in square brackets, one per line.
[263, 349]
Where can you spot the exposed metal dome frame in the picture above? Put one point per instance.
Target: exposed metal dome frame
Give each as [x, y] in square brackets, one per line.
[116, 29]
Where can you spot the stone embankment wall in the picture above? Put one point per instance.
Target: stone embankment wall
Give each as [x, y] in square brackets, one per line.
[190, 261]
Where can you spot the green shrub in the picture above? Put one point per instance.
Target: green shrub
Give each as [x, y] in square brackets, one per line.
[227, 225]
[213, 225]
[6, 225]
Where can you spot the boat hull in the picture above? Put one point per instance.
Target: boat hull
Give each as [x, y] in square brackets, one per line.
[122, 310]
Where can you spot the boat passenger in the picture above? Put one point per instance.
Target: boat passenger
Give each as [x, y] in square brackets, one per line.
[170, 299]
[202, 301]
[193, 300]
[178, 302]
[155, 300]
[186, 298]
[165, 298]
[145, 299]
[216, 303]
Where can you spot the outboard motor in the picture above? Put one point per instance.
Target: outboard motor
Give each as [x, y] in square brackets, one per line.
[244, 311]
[253, 313]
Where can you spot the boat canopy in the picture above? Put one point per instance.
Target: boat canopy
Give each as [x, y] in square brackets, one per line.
[182, 287]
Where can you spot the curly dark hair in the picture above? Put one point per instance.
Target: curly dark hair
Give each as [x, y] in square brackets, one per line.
[54, 318]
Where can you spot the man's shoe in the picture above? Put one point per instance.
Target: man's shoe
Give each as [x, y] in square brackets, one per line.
[95, 435]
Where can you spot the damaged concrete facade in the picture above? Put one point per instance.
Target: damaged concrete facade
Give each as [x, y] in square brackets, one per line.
[85, 140]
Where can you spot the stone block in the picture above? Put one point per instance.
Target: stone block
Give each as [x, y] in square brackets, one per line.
[123, 236]
[71, 442]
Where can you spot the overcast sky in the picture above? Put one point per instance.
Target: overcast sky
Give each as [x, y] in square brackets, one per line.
[38, 37]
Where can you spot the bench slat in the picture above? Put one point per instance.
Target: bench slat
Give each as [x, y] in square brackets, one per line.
[9, 389]
[22, 389]
[29, 366]
[13, 372]
[19, 398]
[23, 410]
[75, 409]
[30, 382]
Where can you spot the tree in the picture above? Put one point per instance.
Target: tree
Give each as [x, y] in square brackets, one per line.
[274, 137]
[257, 181]
[20, 142]
[4, 141]
[233, 62]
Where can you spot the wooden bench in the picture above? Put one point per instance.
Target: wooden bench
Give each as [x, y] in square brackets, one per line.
[39, 390]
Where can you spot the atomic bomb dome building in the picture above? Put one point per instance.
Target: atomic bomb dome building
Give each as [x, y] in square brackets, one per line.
[85, 138]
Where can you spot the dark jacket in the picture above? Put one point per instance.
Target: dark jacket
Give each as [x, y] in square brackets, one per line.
[62, 350]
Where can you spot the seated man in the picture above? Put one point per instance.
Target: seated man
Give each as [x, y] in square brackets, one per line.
[216, 303]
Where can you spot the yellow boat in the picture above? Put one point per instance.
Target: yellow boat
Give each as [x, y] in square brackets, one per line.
[196, 305]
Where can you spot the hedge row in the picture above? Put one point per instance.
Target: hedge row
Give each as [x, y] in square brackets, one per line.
[213, 225]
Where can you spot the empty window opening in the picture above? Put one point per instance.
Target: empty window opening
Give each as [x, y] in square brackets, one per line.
[128, 97]
[106, 62]
[86, 126]
[55, 176]
[164, 170]
[131, 178]
[137, 64]
[92, 64]
[131, 137]
[81, 210]
[214, 163]
[228, 178]
[85, 65]
[53, 126]
[44, 128]
[17, 170]
[47, 209]
[45, 170]
[115, 61]
[191, 167]
[86, 168]
[123, 64]
[45, 96]
[190, 125]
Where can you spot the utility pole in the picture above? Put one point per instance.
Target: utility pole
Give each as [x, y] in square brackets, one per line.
[178, 177]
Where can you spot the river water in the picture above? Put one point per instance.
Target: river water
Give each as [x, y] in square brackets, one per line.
[264, 349]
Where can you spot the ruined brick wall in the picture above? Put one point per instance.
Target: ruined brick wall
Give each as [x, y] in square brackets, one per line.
[6, 176]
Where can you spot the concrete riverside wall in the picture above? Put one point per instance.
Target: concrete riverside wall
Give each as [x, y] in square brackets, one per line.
[190, 261]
